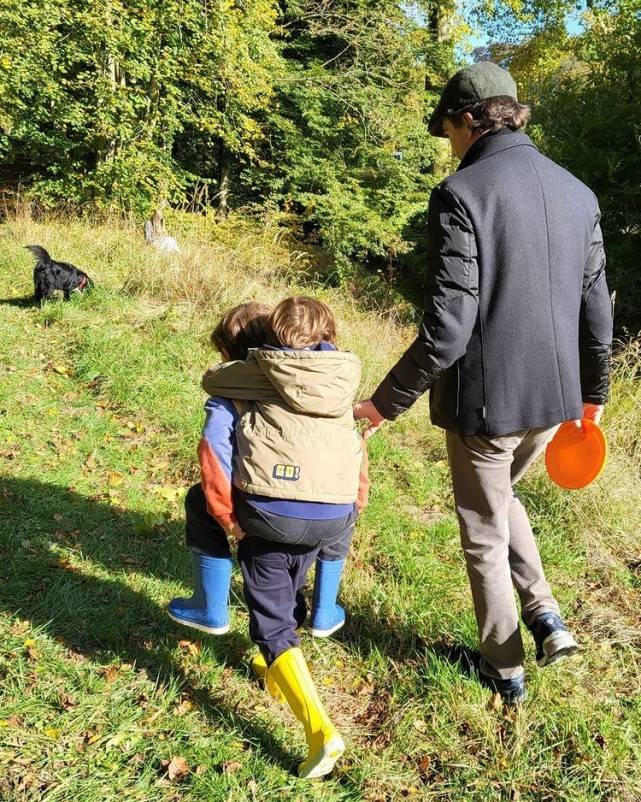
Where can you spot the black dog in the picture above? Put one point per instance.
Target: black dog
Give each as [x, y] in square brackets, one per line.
[49, 275]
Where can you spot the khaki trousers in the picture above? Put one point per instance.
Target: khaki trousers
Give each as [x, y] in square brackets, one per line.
[498, 543]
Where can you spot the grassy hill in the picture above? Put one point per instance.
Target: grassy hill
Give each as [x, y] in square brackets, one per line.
[100, 412]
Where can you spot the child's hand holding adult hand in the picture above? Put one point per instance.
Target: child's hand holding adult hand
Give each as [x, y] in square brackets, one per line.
[365, 410]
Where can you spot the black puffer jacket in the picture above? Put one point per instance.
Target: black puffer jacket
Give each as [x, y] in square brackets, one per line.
[517, 328]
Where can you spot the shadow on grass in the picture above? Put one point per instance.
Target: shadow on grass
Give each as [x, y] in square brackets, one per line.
[365, 635]
[121, 540]
[26, 301]
[103, 618]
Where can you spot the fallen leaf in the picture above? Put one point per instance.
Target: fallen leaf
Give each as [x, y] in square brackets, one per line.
[177, 768]
[57, 516]
[191, 647]
[67, 701]
[424, 764]
[200, 770]
[230, 767]
[110, 673]
[115, 478]
[419, 725]
[184, 707]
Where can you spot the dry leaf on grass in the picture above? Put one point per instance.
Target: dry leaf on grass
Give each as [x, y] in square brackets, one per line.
[191, 647]
[177, 767]
[67, 701]
[230, 767]
[31, 649]
[115, 478]
[185, 706]
[110, 672]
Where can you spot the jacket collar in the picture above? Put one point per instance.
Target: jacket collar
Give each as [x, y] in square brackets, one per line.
[490, 144]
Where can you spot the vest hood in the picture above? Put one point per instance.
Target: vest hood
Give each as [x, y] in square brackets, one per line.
[321, 383]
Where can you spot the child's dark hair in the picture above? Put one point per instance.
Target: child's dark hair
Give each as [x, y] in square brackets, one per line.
[301, 322]
[241, 328]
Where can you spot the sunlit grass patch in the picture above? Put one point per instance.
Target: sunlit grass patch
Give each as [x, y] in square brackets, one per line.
[100, 413]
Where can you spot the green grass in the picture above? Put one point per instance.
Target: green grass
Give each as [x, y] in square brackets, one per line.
[100, 411]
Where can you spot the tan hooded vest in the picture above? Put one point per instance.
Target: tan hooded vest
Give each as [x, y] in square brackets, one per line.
[296, 438]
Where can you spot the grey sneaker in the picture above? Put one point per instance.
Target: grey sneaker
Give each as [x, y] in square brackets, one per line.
[553, 639]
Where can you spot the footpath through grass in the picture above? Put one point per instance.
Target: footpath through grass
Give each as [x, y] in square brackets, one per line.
[104, 698]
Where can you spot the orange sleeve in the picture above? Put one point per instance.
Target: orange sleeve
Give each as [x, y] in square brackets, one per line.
[216, 486]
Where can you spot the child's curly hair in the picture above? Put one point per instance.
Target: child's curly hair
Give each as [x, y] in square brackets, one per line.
[241, 328]
[301, 322]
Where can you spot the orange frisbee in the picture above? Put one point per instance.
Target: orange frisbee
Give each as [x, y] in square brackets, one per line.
[576, 457]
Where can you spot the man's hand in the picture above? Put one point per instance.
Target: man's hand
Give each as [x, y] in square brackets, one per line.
[367, 410]
[592, 412]
[235, 531]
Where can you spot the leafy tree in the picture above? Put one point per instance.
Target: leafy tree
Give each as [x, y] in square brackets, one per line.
[315, 105]
[348, 148]
[584, 92]
[94, 96]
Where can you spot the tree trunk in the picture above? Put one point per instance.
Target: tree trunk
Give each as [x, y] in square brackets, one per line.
[223, 181]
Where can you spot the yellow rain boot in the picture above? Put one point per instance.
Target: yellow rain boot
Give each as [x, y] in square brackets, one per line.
[290, 674]
[258, 666]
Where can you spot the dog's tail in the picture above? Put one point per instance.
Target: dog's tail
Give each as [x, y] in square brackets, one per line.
[39, 253]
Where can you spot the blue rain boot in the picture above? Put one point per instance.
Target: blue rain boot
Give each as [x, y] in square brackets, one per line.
[327, 616]
[208, 608]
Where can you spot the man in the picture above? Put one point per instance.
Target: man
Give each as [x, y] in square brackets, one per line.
[515, 339]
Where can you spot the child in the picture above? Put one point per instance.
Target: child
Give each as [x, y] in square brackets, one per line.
[208, 505]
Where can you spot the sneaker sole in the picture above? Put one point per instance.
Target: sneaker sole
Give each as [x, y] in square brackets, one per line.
[200, 627]
[323, 761]
[556, 647]
[325, 633]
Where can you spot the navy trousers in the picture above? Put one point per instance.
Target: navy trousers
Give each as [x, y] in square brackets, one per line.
[274, 558]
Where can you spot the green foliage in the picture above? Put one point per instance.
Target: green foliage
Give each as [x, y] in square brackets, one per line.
[313, 105]
[587, 116]
[348, 144]
[95, 96]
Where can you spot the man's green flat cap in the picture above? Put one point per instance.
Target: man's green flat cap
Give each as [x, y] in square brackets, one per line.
[476, 82]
